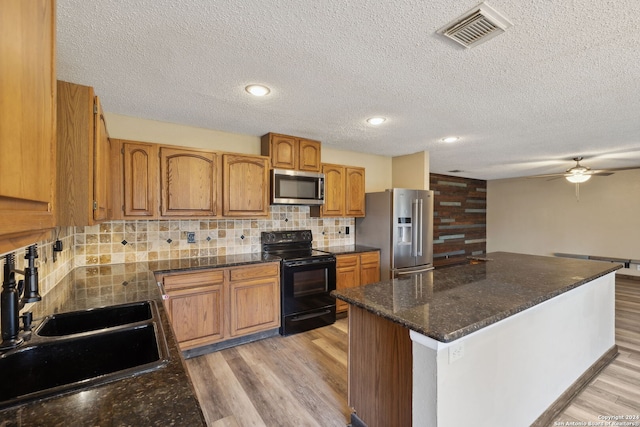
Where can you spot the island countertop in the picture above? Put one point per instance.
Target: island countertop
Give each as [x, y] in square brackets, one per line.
[450, 303]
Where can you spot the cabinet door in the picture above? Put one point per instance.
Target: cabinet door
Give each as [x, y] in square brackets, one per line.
[254, 298]
[245, 185]
[188, 182]
[369, 268]
[195, 307]
[333, 190]
[347, 276]
[27, 120]
[354, 189]
[284, 152]
[309, 155]
[101, 168]
[140, 176]
[255, 306]
[197, 315]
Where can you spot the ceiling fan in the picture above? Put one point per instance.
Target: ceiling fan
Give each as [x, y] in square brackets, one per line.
[579, 173]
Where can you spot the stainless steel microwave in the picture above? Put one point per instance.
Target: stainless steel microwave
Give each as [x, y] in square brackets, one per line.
[289, 187]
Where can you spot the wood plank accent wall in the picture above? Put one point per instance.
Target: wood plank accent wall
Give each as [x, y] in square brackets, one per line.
[459, 218]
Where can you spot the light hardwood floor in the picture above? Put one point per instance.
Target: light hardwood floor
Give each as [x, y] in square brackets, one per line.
[301, 380]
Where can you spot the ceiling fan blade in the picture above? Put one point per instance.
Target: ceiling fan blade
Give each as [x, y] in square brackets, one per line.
[549, 175]
[618, 169]
[601, 173]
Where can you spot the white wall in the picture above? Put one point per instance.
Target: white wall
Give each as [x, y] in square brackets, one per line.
[511, 371]
[537, 216]
[378, 168]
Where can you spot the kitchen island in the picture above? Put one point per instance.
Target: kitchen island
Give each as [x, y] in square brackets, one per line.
[507, 340]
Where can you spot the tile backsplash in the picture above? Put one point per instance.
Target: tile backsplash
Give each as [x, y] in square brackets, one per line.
[49, 272]
[117, 242]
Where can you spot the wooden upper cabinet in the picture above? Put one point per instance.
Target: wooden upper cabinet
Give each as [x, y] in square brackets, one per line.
[343, 192]
[27, 121]
[245, 185]
[140, 180]
[334, 186]
[83, 158]
[188, 182]
[354, 192]
[282, 150]
[102, 181]
[308, 155]
[291, 152]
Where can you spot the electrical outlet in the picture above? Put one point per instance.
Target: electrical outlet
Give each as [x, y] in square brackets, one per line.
[191, 237]
[346, 231]
[638, 267]
[456, 352]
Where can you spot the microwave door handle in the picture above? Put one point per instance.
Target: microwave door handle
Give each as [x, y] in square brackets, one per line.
[420, 218]
[321, 189]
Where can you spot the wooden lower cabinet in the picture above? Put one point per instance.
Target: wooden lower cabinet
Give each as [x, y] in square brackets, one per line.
[195, 305]
[255, 306]
[214, 305]
[354, 270]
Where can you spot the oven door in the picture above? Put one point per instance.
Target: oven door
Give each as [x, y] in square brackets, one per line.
[307, 284]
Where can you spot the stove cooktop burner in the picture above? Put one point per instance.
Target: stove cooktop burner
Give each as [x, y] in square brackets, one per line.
[291, 245]
[300, 254]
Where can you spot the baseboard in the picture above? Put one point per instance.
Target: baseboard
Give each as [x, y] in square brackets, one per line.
[565, 398]
[356, 421]
[210, 348]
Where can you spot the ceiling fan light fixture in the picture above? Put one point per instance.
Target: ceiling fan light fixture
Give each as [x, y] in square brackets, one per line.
[257, 90]
[376, 120]
[578, 178]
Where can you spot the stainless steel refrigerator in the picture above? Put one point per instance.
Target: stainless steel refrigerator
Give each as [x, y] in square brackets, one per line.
[399, 221]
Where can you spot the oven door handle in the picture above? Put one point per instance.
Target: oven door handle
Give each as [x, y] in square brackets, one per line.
[310, 315]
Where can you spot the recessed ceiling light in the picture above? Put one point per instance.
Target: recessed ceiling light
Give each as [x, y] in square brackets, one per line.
[450, 139]
[376, 120]
[257, 90]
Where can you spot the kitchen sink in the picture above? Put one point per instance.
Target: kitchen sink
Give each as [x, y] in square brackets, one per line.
[95, 319]
[119, 345]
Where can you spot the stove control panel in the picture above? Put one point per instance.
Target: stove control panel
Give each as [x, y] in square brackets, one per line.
[286, 236]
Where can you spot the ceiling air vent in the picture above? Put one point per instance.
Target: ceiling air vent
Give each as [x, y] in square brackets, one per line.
[476, 26]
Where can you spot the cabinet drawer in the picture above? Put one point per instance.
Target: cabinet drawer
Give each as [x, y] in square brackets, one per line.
[263, 270]
[195, 279]
[370, 257]
[346, 260]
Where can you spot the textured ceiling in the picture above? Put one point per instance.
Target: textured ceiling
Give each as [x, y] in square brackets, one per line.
[563, 81]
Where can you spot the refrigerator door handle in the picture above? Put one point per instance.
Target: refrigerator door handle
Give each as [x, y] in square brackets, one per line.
[420, 223]
[407, 272]
[414, 228]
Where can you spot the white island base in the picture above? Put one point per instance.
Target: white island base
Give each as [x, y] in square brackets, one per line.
[521, 370]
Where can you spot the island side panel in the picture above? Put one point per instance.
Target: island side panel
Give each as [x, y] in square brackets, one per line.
[512, 371]
[380, 370]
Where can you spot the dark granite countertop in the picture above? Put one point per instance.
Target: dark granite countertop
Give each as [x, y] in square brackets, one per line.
[162, 397]
[174, 265]
[450, 303]
[348, 249]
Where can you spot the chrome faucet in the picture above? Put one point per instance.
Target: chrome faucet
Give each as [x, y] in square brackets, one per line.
[15, 295]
